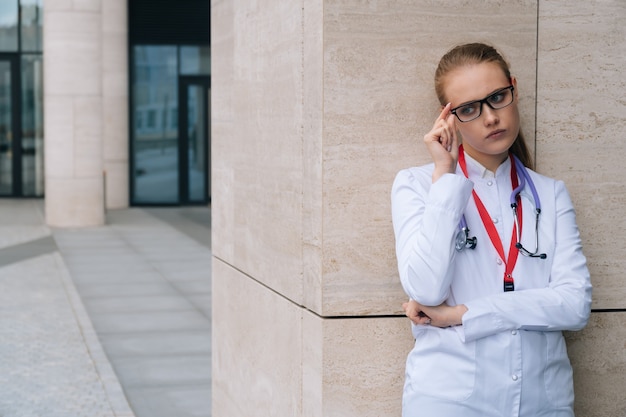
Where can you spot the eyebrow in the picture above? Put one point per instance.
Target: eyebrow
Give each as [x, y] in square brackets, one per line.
[481, 99]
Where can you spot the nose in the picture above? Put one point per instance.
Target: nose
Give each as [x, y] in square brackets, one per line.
[490, 116]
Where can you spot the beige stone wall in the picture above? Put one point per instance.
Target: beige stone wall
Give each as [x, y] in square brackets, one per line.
[581, 120]
[316, 105]
[73, 113]
[115, 102]
[86, 110]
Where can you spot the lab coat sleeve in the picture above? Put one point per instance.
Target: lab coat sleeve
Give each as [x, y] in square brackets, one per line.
[425, 219]
[565, 304]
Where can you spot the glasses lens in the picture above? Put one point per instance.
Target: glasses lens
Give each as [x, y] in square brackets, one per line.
[468, 112]
[501, 99]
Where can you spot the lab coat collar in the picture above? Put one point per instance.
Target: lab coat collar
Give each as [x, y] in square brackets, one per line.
[476, 170]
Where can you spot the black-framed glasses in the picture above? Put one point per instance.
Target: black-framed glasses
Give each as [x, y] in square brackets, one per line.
[472, 110]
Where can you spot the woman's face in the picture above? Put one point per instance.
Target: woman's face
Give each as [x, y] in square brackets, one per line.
[488, 137]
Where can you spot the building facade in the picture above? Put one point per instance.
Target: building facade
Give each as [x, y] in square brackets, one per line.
[126, 103]
[316, 106]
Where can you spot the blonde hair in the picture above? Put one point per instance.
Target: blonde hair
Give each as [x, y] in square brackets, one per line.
[471, 54]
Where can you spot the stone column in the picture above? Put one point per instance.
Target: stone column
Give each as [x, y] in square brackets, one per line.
[115, 102]
[581, 121]
[74, 191]
[316, 106]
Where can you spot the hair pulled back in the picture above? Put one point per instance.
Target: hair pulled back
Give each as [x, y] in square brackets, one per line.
[472, 54]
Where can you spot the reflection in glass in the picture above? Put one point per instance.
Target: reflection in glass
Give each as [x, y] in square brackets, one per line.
[6, 130]
[32, 126]
[155, 141]
[195, 60]
[196, 117]
[8, 25]
[32, 25]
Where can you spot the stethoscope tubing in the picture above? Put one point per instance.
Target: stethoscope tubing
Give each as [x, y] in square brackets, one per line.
[524, 178]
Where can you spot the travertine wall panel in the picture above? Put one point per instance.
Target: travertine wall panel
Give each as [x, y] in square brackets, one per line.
[115, 102]
[258, 152]
[77, 202]
[73, 109]
[256, 349]
[580, 125]
[379, 101]
[274, 358]
[72, 52]
[312, 150]
[59, 153]
[598, 355]
[363, 366]
[222, 125]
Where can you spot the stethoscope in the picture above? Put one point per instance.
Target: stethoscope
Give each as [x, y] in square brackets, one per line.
[463, 239]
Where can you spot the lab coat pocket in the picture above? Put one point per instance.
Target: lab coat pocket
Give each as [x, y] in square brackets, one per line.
[558, 373]
[441, 366]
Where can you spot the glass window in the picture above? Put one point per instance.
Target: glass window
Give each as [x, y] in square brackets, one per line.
[196, 137]
[138, 120]
[32, 25]
[8, 25]
[174, 118]
[6, 129]
[155, 146]
[151, 119]
[195, 60]
[32, 126]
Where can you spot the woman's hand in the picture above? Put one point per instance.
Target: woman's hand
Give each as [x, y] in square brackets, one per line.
[442, 315]
[443, 144]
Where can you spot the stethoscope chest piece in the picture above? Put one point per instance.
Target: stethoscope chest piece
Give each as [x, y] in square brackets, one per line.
[463, 240]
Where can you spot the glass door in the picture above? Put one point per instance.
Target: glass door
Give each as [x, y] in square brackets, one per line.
[21, 126]
[8, 125]
[194, 151]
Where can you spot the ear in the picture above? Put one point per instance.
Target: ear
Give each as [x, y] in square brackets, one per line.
[513, 82]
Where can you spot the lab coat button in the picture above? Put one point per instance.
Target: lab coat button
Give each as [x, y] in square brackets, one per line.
[514, 377]
[499, 261]
[495, 221]
[490, 183]
[514, 332]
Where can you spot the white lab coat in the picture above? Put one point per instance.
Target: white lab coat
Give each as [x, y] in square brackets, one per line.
[508, 358]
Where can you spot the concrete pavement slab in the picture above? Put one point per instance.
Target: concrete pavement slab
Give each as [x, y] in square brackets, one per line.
[110, 321]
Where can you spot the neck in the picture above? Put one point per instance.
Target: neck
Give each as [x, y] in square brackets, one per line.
[491, 162]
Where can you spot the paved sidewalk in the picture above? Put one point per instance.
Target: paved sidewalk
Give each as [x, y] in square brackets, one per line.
[105, 321]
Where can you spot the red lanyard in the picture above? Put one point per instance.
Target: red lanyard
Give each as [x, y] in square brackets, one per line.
[509, 284]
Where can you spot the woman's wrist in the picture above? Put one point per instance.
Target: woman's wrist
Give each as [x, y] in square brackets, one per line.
[440, 171]
[457, 316]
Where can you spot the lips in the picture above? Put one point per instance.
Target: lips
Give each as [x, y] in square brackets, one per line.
[496, 134]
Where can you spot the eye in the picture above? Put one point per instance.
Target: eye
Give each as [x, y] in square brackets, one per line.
[468, 109]
[498, 97]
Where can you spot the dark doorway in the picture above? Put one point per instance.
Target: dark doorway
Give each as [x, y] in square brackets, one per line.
[194, 156]
[9, 135]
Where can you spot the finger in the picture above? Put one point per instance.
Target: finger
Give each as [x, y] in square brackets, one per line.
[448, 136]
[444, 112]
[451, 122]
[421, 320]
[454, 139]
[443, 136]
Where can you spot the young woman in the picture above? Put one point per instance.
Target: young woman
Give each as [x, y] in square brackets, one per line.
[490, 255]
